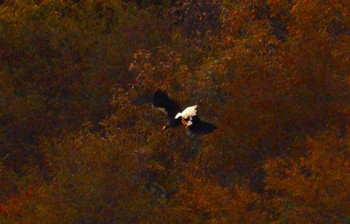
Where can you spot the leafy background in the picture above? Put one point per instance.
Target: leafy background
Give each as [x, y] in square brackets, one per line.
[80, 142]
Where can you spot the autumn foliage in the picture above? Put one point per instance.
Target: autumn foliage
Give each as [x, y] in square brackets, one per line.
[81, 143]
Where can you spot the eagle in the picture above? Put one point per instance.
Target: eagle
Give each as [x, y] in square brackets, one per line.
[188, 117]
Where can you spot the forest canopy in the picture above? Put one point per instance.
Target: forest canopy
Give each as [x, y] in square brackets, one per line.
[81, 143]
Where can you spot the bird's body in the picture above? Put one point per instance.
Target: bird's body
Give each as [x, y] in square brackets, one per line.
[187, 117]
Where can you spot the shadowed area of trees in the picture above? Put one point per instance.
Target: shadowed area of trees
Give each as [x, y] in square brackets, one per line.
[81, 143]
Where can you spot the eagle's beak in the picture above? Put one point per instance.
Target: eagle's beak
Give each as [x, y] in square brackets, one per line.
[164, 127]
[184, 122]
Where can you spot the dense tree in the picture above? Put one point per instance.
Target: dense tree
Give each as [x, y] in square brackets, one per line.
[80, 142]
[312, 188]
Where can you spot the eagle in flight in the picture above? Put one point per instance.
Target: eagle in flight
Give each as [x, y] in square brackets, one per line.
[188, 117]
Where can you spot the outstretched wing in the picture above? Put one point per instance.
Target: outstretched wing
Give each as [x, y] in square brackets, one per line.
[200, 127]
[165, 104]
